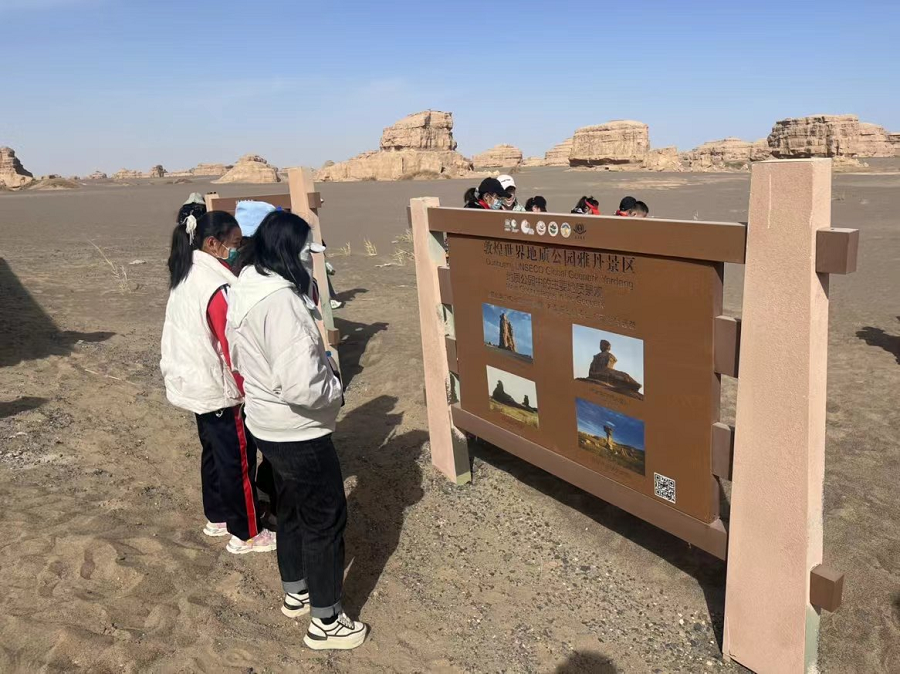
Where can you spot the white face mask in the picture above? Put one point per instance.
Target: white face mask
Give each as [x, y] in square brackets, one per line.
[306, 255]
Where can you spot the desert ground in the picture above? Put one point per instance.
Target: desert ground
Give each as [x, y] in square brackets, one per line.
[103, 566]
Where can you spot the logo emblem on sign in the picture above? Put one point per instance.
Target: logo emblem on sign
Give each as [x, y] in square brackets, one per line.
[553, 229]
[513, 226]
[507, 225]
[527, 228]
[541, 228]
[579, 229]
[565, 230]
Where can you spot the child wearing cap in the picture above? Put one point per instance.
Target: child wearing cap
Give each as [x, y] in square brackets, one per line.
[509, 185]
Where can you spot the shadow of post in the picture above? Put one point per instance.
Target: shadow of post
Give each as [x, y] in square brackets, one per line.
[388, 481]
[26, 331]
[354, 338]
[708, 571]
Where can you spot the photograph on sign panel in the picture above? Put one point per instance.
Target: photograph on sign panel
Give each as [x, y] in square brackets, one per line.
[609, 360]
[508, 332]
[513, 396]
[611, 435]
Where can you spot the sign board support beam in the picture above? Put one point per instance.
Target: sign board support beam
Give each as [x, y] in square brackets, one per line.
[775, 532]
[303, 194]
[449, 445]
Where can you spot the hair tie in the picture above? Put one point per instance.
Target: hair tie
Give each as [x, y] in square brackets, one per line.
[190, 225]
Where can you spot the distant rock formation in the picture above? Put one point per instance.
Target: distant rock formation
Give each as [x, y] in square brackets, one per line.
[251, 168]
[728, 153]
[157, 172]
[98, 175]
[507, 336]
[618, 142]
[419, 145]
[126, 174]
[12, 173]
[211, 169]
[534, 161]
[499, 156]
[815, 136]
[894, 138]
[558, 155]
[427, 130]
[874, 141]
[663, 159]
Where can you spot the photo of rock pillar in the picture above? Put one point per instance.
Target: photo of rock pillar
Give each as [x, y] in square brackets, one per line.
[508, 332]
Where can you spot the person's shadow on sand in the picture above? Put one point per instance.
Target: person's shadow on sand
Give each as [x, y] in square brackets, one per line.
[878, 337]
[388, 481]
[26, 331]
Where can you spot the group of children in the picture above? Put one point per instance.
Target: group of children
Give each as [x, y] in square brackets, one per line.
[241, 350]
[499, 194]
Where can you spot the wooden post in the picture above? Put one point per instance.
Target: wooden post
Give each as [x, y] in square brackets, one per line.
[301, 185]
[449, 446]
[775, 534]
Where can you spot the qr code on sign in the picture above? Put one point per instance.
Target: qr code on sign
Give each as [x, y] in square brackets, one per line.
[664, 487]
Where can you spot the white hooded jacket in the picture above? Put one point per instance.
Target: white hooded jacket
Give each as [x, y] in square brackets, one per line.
[196, 376]
[291, 392]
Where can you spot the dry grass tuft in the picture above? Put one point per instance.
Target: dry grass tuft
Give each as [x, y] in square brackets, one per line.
[406, 237]
[119, 272]
[371, 251]
[343, 251]
[401, 256]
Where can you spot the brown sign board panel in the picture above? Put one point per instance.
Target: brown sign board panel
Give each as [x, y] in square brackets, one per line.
[603, 357]
[689, 239]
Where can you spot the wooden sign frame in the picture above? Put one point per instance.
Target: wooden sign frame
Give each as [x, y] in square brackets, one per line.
[776, 583]
[302, 199]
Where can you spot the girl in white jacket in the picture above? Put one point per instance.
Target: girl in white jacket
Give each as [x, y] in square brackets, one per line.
[197, 372]
[292, 399]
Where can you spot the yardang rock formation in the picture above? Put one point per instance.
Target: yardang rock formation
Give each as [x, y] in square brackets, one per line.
[419, 145]
[12, 173]
[251, 168]
[499, 156]
[617, 142]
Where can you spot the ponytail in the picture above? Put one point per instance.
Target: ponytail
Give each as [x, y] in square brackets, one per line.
[190, 233]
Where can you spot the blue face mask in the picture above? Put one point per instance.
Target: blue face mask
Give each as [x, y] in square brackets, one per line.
[497, 205]
[232, 256]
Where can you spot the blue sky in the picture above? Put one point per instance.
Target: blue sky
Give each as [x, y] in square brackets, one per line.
[113, 83]
[629, 352]
[521, 325]
[514, 385]
[592, 418]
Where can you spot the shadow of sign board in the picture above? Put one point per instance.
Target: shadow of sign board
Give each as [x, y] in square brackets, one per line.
[619, 353]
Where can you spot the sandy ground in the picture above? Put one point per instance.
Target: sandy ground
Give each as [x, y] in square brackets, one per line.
[103, 566]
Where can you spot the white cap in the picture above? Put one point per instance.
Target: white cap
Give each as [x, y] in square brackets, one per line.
[507, 181]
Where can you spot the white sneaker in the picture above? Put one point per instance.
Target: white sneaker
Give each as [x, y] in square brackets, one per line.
[295, 605]
[216, 529]
[336, 304]
[343, 634]
[264, 541]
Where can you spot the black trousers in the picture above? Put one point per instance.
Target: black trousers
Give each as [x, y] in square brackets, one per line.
[228, 471]
[312, 515]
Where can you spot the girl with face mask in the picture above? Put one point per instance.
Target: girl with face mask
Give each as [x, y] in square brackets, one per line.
[489, 195]
[293, 399]
[196, 368]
